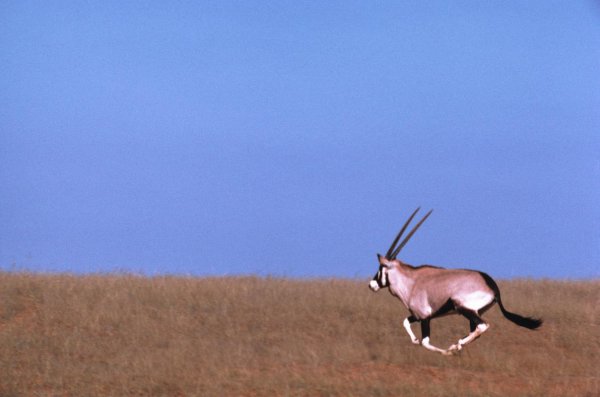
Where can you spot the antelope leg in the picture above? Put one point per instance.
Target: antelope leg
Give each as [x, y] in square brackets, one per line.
[406, 323]
[425, 342]
[429, 346]
[480, 329]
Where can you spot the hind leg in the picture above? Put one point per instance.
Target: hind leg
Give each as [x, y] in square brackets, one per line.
[477, 327]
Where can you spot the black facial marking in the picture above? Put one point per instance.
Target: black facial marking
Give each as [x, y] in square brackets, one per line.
[379, 277]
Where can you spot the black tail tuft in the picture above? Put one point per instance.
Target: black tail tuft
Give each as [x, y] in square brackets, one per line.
[527, 322]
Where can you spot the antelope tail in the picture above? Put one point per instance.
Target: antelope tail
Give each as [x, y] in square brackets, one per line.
[527, 322]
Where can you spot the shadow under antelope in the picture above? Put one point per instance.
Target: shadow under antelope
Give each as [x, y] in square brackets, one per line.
[429, 292]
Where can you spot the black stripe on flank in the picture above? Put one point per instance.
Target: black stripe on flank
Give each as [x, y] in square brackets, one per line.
[446, 308]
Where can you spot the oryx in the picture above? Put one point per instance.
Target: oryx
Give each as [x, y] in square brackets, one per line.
[429, 292]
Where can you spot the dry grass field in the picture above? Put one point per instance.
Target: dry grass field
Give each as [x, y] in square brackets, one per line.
[125, 335]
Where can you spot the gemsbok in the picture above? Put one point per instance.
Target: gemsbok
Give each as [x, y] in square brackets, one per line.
[429, 292]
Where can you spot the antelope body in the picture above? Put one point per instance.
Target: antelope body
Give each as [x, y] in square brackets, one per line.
[429, 292]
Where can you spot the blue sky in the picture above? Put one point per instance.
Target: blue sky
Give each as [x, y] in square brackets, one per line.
[294, 138]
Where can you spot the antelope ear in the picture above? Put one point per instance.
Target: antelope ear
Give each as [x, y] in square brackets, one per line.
[383, 261]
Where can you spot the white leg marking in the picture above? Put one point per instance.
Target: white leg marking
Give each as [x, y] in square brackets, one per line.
[480, 329]
[412, 335]
[429, 346]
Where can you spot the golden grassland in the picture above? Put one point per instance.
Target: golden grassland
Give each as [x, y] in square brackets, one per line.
[123, 335]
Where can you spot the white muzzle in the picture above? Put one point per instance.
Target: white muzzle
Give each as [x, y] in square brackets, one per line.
[374, 286]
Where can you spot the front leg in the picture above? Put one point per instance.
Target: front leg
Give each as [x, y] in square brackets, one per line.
[425, 342]
[407, 322]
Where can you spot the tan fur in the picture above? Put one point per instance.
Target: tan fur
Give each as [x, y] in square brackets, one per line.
[429, 292]
[424, 290]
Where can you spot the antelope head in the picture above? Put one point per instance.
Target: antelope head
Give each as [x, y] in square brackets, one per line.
[380, 280]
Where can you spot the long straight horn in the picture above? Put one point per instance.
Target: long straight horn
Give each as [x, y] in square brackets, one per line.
[403, 243]
[400, 234]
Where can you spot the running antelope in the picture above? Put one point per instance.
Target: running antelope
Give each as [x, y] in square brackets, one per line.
[429, 292]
